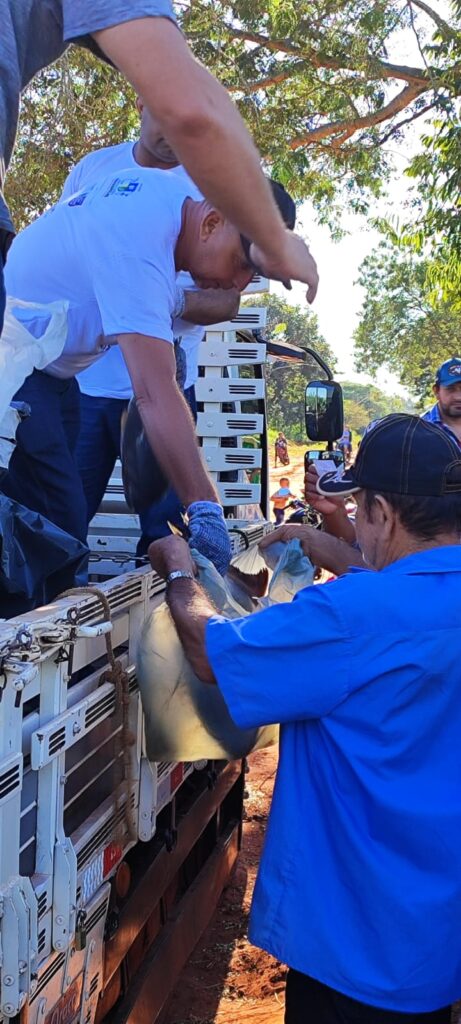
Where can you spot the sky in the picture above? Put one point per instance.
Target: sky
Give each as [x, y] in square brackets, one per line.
[339, 298]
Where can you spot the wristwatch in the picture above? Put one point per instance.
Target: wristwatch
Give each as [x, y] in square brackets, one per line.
[179, 574]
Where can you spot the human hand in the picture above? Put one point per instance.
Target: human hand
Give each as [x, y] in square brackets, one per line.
[293, 262]
[287, 532]
[323, 549]
[209, 534]
[326, 506]
[170, 553]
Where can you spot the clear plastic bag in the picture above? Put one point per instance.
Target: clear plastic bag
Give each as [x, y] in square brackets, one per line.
[292, 571]
[33, 336]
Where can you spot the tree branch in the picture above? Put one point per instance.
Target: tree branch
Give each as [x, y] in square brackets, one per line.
[265, 83]
[344, 129]
[443, 25]
[384, 69]
[407, 120]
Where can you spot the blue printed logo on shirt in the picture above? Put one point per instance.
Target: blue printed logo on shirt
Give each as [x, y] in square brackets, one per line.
[123, 187]
[78, 200]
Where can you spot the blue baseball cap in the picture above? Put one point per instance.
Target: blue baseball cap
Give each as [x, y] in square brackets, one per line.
[449, 372]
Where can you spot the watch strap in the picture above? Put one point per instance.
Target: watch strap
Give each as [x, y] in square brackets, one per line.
[179, 574]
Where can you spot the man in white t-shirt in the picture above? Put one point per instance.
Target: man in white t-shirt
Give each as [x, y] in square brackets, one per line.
[113, 251]
[106, 386]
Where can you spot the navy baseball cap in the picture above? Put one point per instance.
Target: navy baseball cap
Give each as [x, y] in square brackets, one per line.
[400, 455]
[449, 372]
[287, 209]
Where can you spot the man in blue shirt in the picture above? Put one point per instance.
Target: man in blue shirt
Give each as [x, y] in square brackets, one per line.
[446, 412]
[359, 888]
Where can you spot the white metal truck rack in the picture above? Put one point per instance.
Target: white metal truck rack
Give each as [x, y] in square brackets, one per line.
[110, 866]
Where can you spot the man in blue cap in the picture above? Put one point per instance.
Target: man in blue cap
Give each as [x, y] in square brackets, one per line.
[359, 887]
[446, 412]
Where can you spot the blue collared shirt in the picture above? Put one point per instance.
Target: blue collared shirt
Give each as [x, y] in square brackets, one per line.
[433, 416]
[360, 879]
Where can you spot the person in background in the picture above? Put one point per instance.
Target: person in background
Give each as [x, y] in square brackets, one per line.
[446, 412]
[345, 444]
[359, 885]
[195, 113]
[280, 499]
[281, 450]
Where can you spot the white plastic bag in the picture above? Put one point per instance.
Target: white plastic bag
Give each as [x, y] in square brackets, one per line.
[8, 428]
[21, 350]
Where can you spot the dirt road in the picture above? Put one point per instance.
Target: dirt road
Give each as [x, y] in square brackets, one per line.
[227, 981]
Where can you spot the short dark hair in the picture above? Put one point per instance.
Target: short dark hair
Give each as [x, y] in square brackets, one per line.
[425, 517]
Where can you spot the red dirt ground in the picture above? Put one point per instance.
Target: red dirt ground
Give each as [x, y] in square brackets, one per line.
[226, 979]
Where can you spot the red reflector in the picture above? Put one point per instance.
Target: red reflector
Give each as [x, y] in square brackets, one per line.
[176, 776]
[111, 857]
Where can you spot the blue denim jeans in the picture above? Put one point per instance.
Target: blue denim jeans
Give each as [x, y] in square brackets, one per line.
[310, 1002]
[97, 449]
[98, 445]
[43, 474]
[2, 295]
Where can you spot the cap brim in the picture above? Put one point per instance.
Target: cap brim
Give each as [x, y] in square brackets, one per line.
[337, 485]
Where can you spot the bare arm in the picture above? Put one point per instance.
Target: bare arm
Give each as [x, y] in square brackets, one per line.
[208, 135]
[190, 607]
[323, 549]
[166, 416]
[211, 306]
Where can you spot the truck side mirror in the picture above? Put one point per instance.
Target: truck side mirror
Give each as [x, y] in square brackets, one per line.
[324, 410]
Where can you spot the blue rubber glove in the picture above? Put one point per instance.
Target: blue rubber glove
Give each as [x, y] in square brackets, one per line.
[208, 533]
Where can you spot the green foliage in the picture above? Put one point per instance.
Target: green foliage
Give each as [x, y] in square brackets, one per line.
[77, 105]
[435, 226]
[315, 82]
[401, 327]
[363, 403]
[318, 87]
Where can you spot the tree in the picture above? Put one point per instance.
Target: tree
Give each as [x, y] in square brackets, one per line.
[356, 416]
[316, 83]
[74, 106]
[435, 226]
[364, 403]
[401, 326]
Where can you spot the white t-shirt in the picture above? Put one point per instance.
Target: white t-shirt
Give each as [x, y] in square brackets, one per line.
[108, 250]
[110, 378]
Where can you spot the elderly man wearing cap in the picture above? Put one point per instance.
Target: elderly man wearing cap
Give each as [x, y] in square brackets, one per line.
[359, 887]
[446, 412]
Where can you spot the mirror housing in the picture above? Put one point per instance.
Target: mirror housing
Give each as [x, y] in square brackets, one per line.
[324, 410]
